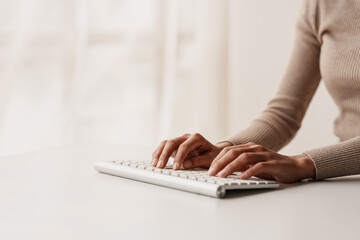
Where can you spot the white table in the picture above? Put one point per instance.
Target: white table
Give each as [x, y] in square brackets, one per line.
[56, 194]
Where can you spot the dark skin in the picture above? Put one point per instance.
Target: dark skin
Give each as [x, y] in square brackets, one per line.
[193, 150]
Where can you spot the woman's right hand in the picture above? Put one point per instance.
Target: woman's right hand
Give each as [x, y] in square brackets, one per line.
[189, 150]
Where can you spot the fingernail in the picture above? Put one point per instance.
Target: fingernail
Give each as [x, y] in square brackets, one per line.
[159, 164]
[187, 164]
[211, 171]
[221, 174]
[176, 166]
[243, 175]
[152, 161]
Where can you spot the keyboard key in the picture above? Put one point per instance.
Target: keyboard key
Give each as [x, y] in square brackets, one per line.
[193, 177]
[158, 170]
[184, 175]
[165, 171]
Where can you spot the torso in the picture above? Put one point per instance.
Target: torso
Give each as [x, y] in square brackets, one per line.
[339, 34]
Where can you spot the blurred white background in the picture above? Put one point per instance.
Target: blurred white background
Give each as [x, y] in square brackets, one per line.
[132, 72]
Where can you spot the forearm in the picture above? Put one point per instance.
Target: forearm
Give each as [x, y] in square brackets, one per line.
[281, 119]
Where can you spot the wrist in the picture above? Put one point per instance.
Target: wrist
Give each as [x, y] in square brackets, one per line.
[306, 165]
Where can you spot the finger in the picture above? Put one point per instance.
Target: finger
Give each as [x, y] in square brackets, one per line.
[193, 142]
[240, 163]
[261, 168]
[200, 161]
[169, 148]
[191, 154]
[226, 149]
[174, 153]
[230, 156]
[157, 152]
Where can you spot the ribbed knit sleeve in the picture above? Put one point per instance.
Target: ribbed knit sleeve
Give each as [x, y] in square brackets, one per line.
[279, 122]
[332, 27]
[337, 160]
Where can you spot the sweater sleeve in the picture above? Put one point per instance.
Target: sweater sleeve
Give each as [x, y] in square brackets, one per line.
[337, 160]
[280, 121]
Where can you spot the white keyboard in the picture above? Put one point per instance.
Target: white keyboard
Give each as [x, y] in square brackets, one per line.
[194, 180]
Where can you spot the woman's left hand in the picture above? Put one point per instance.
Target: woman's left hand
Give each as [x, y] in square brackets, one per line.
[256, 160]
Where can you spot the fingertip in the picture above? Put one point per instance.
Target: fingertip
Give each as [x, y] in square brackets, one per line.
[244, 176]
[154, 162]
[211, 171]
[160, 164]
[222, 174]
[176, 166]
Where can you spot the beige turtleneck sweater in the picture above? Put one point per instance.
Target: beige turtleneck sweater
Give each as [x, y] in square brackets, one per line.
[327, 48]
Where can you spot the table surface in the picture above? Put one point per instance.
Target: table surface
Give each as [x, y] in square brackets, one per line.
[57, 194]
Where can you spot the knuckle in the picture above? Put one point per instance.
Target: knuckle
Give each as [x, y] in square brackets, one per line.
[232, 165]
[245, 156]
[259, 148]
[226, 149]
[260, 165]
[197, 135]
[184, 147]
[171, 142]
[267, 165]
[273, 163]
[232, 153]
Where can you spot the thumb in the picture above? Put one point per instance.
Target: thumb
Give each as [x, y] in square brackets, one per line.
[263, 170]
[198, 161]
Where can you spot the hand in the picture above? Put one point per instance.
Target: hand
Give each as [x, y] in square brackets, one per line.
[188, 150]
[256, 160]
